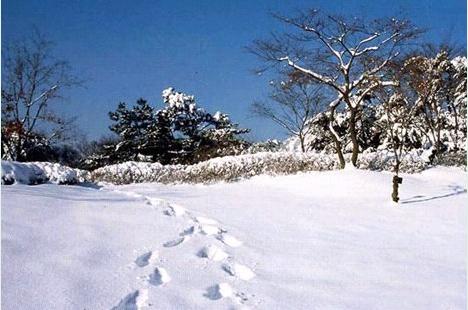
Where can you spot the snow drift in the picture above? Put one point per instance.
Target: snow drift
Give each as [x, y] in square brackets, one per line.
[40, 172]
[317, 240]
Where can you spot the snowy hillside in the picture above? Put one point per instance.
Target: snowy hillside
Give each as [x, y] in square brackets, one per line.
[320, 240]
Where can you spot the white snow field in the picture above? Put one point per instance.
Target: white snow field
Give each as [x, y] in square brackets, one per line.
[318, 240]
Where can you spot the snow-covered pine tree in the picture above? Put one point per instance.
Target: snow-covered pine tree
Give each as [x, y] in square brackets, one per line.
[199, 135]
[142, 135]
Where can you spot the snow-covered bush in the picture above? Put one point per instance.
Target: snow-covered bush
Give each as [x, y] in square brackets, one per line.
[232, 168]
[40, 172]
[452, 159]
[228, 168]
[385, 160]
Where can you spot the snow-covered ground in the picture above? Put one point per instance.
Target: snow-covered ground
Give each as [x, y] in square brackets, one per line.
[318, 240]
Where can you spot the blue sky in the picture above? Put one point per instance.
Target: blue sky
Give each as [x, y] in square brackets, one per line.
[131, 49]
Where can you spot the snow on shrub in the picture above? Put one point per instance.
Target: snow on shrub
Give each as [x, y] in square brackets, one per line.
[385, 160]
[40, 172]
[232, 168]
[228, 168]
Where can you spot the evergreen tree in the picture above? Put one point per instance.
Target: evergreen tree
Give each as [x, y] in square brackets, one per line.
[142, 133]
[199, 135]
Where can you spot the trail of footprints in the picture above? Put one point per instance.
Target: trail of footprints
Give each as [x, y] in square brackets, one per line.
[159, 276]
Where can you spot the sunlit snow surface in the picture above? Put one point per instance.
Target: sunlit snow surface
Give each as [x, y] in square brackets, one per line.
[321, 240]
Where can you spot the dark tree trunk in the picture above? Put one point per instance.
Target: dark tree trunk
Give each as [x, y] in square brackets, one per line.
[353, 135]
[396, 182]
[301, 140]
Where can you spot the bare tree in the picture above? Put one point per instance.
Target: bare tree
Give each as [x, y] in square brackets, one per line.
[292, 105]
[344, 54]
[32, 80]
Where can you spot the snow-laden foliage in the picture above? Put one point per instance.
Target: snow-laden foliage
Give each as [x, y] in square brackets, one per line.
[180, 132]
[383, 160]
[232, 168]
[40, 172]
[199, 134]
[228, 168]
[433, 84]
[430, 113]
[264, 146]
[345, 55]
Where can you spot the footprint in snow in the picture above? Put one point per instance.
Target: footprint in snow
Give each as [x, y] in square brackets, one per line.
[213, 253]
[218, 291]
[159, 276]
[184, 236]
[229, 240]
[190, 231]
[176, 242]
[239, 271]
[224, 290]
[133, 301]
[174, 210]
[143, 259]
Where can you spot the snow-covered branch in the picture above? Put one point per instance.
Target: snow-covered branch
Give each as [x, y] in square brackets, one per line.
[312, 74]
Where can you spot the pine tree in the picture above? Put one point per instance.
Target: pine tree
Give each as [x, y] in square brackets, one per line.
[142, 133]
[199, 135]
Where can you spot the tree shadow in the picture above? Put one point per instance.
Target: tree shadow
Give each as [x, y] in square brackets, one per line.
[456, 190]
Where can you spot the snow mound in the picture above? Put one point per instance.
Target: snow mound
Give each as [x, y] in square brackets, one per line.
[40, 172]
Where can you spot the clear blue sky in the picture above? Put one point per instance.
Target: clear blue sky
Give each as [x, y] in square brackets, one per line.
[131, 49]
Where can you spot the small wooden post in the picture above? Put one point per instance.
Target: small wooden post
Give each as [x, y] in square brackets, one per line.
[396, 180]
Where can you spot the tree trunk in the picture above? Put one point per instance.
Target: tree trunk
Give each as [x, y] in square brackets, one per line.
[341, 157]
[353, 135]
[301, 140]
[457, 126]
[339, 152]
[396, 181]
